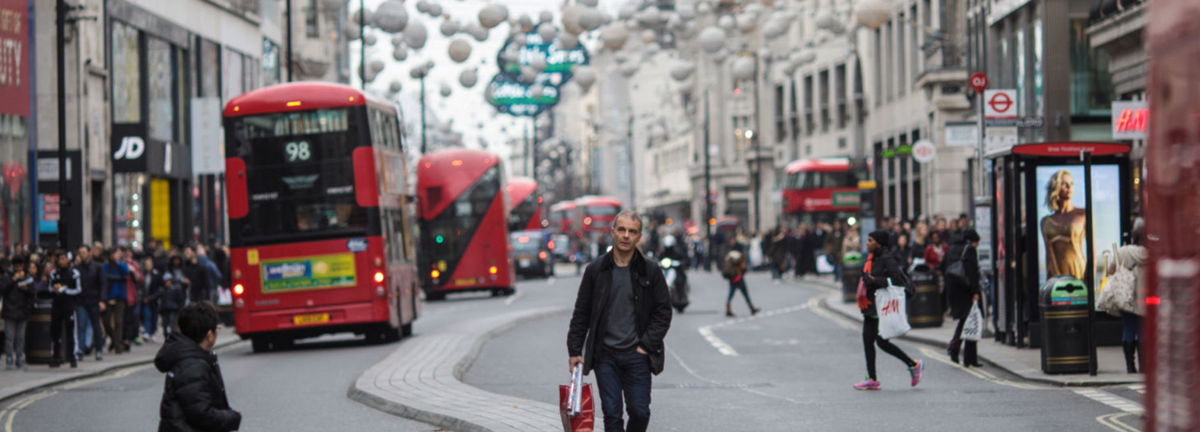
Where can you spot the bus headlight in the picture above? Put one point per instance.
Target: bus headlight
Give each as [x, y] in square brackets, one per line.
[378, 277]
[238, 289]
[492, 270]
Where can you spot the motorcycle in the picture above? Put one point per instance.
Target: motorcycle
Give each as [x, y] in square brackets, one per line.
[677, 282]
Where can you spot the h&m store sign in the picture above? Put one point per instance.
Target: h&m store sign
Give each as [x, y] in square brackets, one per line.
[1130, 120]
[134, 152]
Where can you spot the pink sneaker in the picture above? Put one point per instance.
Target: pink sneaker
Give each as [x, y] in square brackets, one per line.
[915, 371]
[869, 384]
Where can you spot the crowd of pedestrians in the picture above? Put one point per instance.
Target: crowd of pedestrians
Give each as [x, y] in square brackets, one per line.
[102, 299]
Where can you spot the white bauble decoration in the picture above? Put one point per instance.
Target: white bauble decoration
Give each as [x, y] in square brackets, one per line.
[872, 13]
[585, 76]
[448, 28]
[417, 72]
[682, 71]
[528, 74]
[538, 63]
[444, 90]
[776, 27]
[614, 37]
[492, 15]
[743, 68]
[547, 31]
[545, 17]
[397, 40]
[333, 5]
[377, 66]
[391, 16]
[627, 12]
[459, 50]
[568, 41]
[685, 11]
[468, 78]
[415, 35]
[352, 31]
[747, 22]
[629, 69]
[370, 39]
[704, 8]
[525, 21]
[825, 20]
[519, 39]
[422, 6]
[511, 56]
[476, 31]
[570, 19]
[435, 10]
[536, 91]
[589, 3]
[650, 17]
[357, 17]
[649, 36]
[727, 22]
[395, 87]
[400, 53]
[712, 39]
[790, 68]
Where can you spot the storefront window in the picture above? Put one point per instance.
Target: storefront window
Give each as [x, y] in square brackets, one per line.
[1091, 85]
[250, 74]
[126, 74]
[232, 78]
[129, 205]
[14, 179]
[162, 104]
[270, 63]
[210, 68]
[1037, 67]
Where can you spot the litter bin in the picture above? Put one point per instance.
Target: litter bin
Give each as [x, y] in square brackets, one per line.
[1064, 310]
[925, 306]
[37, 334]
[852, 265]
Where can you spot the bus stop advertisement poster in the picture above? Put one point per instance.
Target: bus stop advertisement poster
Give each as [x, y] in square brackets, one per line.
[1062, 227]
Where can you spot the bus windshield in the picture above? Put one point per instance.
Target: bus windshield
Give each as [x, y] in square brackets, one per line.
[523, 214]
[601, 210]
[300, 175]
[815, 180]
[452, 229]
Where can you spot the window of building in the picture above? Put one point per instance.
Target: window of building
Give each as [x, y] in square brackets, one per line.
[1091, 83]
[780, 117]
[916, 179]
[901, 57]
[249, 73]
[311, 19]
[823, 77]
[1037, 67]
[794, 117]
[842, 114]
[809, 96]
[210, 69]
[271, 73]
[1019, 65]
[889, 51]
[126, 74]
[232, 77]
[914, 45]
[159, 64]
[878, 62]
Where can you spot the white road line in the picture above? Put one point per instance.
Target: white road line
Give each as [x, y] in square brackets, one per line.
[979, 373]
[1112, 400]
[1113, 421]
[1140, 388]
[514, 297]
[724, 348]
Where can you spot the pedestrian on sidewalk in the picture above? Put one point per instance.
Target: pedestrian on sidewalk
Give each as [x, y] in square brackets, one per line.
[88, 314]
[133, 284]
[963, 294]
[149, 294]
[171, 299]
[116, 273]
[735, 272]
[18, 289]
[881, 266]
[1124, 295]
[622, 313]
[194, 394]
[64, 286]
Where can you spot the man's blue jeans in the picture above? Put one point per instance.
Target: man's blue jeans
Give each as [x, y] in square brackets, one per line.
[624, 381]
[87, 323]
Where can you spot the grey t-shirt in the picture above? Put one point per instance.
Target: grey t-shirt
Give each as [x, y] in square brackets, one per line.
[620, 330]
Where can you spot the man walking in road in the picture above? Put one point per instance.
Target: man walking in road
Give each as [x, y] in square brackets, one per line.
[622, 313]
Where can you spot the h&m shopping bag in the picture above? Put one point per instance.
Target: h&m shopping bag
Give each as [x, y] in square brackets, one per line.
[575, 404]
[893, 315]
[973, 327]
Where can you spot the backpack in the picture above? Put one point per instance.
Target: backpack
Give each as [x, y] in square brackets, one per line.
[730, 268]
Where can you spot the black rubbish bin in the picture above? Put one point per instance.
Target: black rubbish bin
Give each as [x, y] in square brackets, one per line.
[37, 334]
[852, 265]
[925, 306]
[1064, 312]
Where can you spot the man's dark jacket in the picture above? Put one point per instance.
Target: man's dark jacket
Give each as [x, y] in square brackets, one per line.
[194, 394]
[651, 303]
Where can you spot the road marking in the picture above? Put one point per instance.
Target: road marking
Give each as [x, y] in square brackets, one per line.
[1112, 400]
[514, 297]
[724, 348]
[692, 372]
[1140, 388]
[979, 373]
[814, 304]
[1113, 421]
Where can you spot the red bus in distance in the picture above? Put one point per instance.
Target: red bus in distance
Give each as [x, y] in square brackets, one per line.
[594, 214]
[524, 205]
[320, 233]
[464, 234]
[562, 218]
[814, 187]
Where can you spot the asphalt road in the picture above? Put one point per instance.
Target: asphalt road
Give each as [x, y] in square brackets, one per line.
[789, 368]
[792, 368]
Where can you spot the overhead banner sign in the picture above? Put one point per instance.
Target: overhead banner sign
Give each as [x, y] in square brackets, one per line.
[559, 62]
[511, 96]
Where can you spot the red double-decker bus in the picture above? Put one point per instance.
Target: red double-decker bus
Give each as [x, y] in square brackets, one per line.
[562, 218]
[820, 189]
[594, 214]
[524, 205]
[319, 228]
[464, 238]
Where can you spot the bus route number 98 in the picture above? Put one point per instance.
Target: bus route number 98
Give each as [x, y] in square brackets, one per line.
[297, 151]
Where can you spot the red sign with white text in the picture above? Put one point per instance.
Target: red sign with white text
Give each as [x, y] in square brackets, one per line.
[1070, 149]
[1130, 120]
[820, 200]
[14, 57]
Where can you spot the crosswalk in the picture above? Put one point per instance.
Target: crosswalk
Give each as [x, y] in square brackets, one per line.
[1111, 400]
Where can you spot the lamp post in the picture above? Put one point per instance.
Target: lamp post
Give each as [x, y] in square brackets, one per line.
[288, 12]
[629, 149]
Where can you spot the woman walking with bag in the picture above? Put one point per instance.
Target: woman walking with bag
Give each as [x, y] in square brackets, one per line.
[961, 267]
[1124, 295]
[881, 266]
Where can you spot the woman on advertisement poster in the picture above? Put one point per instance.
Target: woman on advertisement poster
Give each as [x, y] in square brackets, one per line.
[1064, 229]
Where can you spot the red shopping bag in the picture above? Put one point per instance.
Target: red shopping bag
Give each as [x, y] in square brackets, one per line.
[585, 421]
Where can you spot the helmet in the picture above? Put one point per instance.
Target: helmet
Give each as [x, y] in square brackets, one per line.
[668, 241]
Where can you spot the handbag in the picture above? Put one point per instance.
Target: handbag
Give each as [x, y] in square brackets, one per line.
[973, 327]
[956, 271]
[860, 297]
[893, 315]
[575, 405]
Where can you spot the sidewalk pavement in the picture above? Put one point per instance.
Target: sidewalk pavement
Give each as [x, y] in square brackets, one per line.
[422, 381]
[1025, 362]
[16, 382]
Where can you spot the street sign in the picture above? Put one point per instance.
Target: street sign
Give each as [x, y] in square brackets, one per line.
[979, 82]
[511, 96]
[1129, 120]
[961, 134]
[999, 104]
[1021, 122]
[999, 140]
[924, 151]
